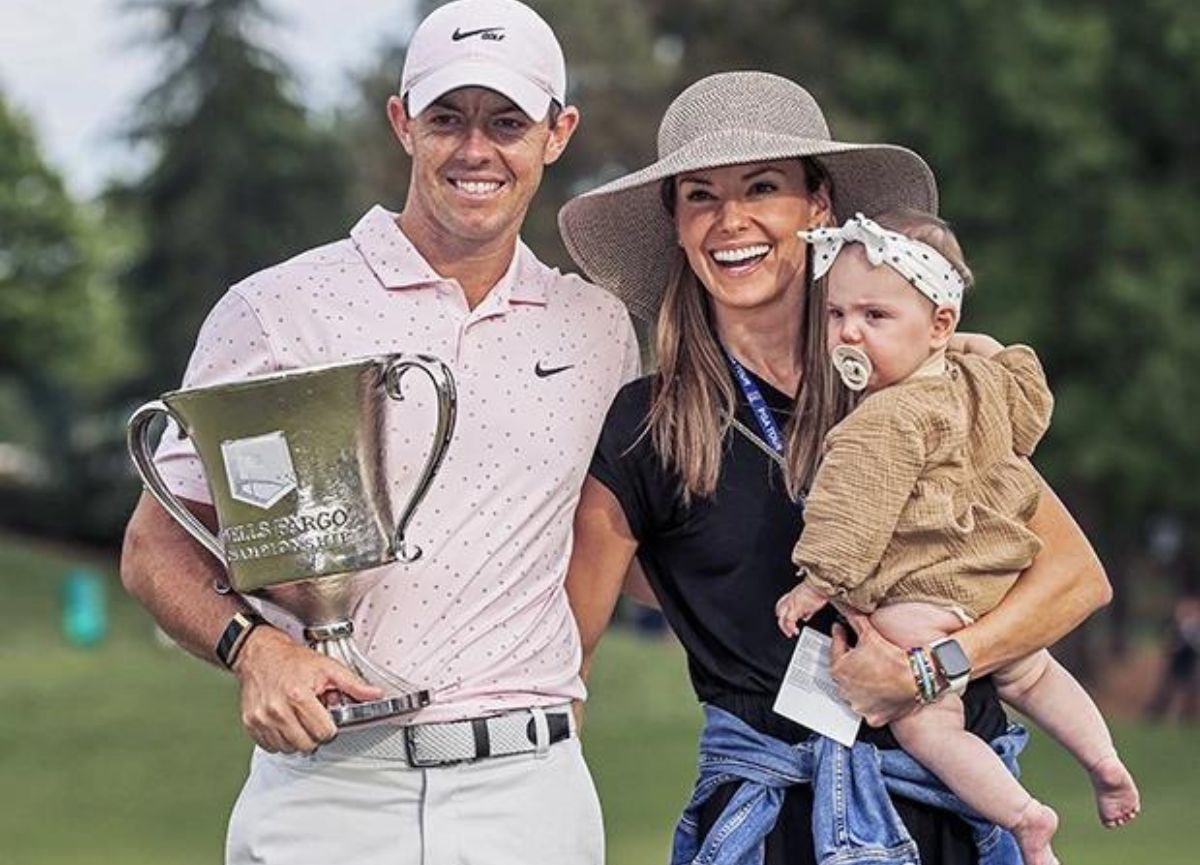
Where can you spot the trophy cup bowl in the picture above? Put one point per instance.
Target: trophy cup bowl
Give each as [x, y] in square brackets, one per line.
[295, 464]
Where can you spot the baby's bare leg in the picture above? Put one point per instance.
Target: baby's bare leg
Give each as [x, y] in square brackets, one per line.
[1044, 690]
[935, 737]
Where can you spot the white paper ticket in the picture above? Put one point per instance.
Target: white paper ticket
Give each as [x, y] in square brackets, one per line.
[809, 696]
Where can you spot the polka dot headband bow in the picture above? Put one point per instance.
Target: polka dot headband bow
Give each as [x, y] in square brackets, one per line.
[926, 269]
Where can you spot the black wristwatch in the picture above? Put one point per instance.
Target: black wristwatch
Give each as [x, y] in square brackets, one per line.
[951, 663]
[235, 634]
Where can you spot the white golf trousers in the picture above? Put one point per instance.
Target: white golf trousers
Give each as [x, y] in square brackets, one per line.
[526, 809]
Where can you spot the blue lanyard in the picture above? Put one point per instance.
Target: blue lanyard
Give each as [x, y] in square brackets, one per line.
[758, 405]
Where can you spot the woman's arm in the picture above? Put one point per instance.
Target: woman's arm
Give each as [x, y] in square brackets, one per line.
[638, 587]
[1065, 584]
[600, 560]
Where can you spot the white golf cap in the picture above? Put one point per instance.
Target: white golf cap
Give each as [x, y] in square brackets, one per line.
[502, 45]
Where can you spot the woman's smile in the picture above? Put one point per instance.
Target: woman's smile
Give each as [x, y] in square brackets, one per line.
[740, 260]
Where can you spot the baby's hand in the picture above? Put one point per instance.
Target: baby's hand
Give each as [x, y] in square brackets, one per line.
[800, 603]
[975, 343]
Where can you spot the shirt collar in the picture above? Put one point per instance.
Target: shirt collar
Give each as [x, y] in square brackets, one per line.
[398, 265]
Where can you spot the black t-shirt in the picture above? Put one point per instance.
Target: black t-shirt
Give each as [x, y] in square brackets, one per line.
[719, 564]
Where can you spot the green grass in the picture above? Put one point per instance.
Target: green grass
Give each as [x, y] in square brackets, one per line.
[124, 753]
[132, 753]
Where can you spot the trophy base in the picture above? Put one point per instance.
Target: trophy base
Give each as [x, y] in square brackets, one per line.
[353, 714]
[335, 640]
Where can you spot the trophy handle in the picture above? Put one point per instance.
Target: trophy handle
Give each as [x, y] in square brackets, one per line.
[443, 381]
[138, 440]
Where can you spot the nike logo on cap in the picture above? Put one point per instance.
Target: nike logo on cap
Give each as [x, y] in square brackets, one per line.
[493, 33]
[547, 371]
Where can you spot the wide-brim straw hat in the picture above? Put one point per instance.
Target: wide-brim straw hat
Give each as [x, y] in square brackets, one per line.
[624, 239]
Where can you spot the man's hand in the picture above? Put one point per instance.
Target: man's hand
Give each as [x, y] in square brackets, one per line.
[798, 605]
[874, 676]
[282, 683]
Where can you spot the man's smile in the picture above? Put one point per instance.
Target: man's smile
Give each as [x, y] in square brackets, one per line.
[477, 188]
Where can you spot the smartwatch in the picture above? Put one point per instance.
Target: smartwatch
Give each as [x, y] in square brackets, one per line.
[951, 663]
[234, 636]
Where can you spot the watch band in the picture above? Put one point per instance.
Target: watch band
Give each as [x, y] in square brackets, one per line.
[235, 634]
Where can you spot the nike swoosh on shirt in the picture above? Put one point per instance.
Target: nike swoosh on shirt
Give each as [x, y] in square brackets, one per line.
[547, 371]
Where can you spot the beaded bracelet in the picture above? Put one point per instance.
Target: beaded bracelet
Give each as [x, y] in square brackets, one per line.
[923, 675]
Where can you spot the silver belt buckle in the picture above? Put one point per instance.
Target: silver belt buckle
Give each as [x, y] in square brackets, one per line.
[414, 752]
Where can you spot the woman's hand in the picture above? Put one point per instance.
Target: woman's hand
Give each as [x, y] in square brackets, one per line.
[874, 676]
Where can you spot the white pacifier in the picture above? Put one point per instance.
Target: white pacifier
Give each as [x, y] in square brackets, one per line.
[853, 365]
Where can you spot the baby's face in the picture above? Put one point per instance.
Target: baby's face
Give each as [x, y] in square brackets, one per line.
[877, 311]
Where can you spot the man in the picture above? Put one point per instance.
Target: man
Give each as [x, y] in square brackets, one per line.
[481, 619]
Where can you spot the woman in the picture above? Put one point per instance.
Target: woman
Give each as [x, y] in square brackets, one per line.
[705, 491]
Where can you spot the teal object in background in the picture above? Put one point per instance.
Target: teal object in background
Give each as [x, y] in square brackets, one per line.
[84, 612]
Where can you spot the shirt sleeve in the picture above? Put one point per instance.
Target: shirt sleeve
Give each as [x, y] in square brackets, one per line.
[870, 467]
[1027, 394]
[626, 463]
[232, 345]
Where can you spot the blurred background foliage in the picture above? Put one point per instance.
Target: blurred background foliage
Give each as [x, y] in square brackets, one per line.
[1061, 134]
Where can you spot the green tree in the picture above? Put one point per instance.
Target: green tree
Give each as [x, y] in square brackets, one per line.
[242, 176]
[63, 336]
[60, 320]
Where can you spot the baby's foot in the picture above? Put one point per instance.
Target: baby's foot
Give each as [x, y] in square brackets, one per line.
[1117, 797]
[1034, 830]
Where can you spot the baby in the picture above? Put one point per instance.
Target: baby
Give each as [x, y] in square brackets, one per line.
[918, 513]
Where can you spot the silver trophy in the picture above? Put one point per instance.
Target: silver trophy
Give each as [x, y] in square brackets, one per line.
[295, 464]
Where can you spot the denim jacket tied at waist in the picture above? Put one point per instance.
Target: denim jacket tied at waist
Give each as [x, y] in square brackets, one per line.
[853, 818]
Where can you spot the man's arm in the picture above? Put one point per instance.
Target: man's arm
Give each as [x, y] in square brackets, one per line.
[173, 577]
[281, 682]
[1065, 584]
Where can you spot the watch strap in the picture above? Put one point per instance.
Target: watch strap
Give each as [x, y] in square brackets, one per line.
[233, 638]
